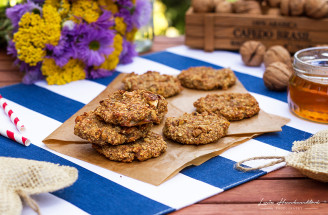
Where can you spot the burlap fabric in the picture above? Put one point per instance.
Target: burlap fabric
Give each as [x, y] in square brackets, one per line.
[310, 157]
[21, 178]
[319, 138]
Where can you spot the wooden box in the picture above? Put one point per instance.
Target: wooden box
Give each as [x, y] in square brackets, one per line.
[211, 31]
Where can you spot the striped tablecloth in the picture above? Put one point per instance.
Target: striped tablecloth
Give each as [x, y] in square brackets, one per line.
[44, 108]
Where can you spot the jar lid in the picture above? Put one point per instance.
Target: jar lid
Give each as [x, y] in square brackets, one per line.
[312, 61]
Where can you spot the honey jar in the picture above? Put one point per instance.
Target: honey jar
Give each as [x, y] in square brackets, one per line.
[308, 86]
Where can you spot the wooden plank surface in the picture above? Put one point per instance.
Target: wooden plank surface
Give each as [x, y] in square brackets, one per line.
[286, 184]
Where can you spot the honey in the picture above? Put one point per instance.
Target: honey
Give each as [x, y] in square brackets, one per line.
[308, 86]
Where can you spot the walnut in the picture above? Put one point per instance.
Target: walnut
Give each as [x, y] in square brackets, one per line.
[273, 3]
[316, 8]
[250, 7]
[276, 76]
[292, 7]
[252, 53]
[273, 12]
[222, 6]
[202, 6]
[277, 53]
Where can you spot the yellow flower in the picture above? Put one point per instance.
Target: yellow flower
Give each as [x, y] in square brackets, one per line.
[52, 22]
[120, 26]
[130, 35]
[63, 6]
[108, 5]
[72, 71]
[113, 59]
[35, 32]
[54, 3]
[86, 9]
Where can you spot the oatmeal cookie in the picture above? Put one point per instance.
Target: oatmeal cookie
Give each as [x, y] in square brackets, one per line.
[89, 127]
[151, 146]
[207, 78]
[165, 85]
[132, 108]
[233, 106]
[196, 128]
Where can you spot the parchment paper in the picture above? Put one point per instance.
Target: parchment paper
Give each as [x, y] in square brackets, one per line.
[157, 170]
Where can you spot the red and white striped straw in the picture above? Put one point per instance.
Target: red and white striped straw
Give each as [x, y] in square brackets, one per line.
[13, 117]
[15, 137]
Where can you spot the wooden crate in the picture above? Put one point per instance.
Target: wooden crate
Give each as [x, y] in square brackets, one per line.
[211, 31]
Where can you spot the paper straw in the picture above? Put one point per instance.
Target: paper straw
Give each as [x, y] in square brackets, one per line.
[15, 137]
[13, 117]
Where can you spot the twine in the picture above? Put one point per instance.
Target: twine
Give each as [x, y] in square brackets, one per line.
[246, 169]
[29, 201]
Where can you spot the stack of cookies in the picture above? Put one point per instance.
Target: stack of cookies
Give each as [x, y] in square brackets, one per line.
[119, 128]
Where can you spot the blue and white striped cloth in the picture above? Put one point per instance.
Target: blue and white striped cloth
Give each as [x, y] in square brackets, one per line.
[44, 108]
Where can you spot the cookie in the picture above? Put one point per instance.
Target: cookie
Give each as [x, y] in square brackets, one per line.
[233, 106]
[207, 78]
[133, 108]
[196, 128]
[151, 146]
[165, 85]
[89, 127]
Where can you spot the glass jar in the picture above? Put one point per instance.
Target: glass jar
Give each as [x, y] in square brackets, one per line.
[308, 86]
[145, 35]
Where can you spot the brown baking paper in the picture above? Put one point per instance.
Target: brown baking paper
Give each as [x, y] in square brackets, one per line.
[157, 170]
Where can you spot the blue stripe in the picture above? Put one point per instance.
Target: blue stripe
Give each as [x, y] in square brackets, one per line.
[91, 192]
[220, 172]
[107, 80]
[285, 138]
[42, 101]
[251, 83]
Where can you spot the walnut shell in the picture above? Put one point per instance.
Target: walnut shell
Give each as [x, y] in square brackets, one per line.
[202, 6]
[316, 8]
[250, 7]
[276, 76]
[292, 7]
[252, 53]
[222, 6]
[277, 53]
[273, 3]
[273, 12]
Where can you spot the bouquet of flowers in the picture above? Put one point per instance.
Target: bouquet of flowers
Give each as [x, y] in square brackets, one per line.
[68, 40]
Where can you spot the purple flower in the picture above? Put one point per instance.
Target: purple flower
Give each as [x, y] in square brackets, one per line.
[128, 52]
[32, 73]
[11, 49]
[98, 73]
[105, 21]
[40, 2]
[125, 11]
[125, 4]
[93, 44]
[142, 13]
[64, 51]
[15, 13]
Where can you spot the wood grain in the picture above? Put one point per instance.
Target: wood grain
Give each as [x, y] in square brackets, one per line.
[274, 190]
[251, 209]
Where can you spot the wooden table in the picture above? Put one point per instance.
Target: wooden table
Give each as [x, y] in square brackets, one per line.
[286, 184]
